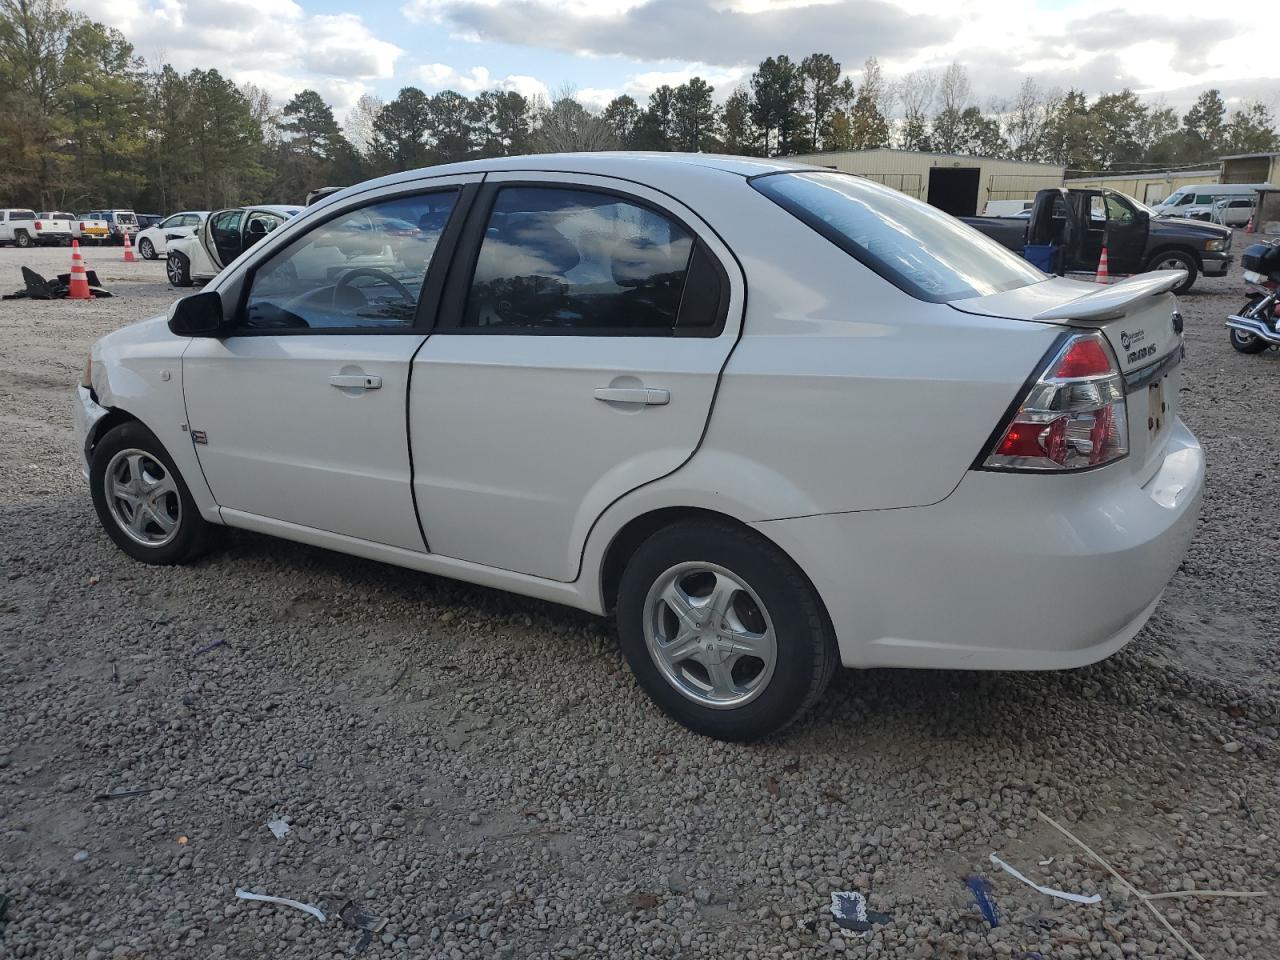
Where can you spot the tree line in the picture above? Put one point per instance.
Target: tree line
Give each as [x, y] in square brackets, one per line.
[84, 122]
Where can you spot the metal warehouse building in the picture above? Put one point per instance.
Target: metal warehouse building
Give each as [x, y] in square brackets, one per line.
[1149, 187]
[959, 185]
[1252, 168]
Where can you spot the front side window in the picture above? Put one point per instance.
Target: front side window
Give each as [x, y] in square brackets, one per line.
[174, 221]
[1117, 211]
[557, 259]
[918, 248]
[362, 269]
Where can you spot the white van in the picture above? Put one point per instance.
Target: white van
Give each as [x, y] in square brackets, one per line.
[1195, 201]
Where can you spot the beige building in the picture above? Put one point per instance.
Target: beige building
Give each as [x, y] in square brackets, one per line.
[1252, 168]
[1148, 187]
[957, 184]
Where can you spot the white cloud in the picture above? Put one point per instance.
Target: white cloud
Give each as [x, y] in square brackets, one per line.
[724, 80]
[441, 76]
[595, 96]
[272, 43]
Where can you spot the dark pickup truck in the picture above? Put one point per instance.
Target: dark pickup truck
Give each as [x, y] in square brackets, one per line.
[1067, 230]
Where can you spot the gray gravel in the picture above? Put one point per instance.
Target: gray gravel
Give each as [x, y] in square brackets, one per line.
[480, 770]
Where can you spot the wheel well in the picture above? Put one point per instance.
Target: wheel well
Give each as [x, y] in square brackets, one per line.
[114, 417]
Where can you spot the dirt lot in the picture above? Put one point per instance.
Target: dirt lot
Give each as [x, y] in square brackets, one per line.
[480, 770]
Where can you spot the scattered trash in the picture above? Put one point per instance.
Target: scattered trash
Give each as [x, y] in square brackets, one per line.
[1047, 891]
[362, 944]
[278, 827]
[94, 580]
[115, 674]
[183, 840]
[123, 794]
[642, 901]
[771, 784]
[1045, 863]
[210, 646]
[284, 902]
[850, 910]
[983, 898]
[81, 857]
[357, 919]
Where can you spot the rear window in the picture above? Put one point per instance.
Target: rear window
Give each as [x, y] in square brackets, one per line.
[126, 218]
[918, 248]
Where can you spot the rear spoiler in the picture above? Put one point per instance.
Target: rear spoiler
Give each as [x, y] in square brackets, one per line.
[1113, 302]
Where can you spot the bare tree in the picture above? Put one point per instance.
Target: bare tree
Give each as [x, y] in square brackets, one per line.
[1025, 120]
[359, 123]
[954, 94]
[263, 110]
[915, 91]
[568, 127]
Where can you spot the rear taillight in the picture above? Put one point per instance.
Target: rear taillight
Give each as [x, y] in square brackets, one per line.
[1072, 418]
[39, 225]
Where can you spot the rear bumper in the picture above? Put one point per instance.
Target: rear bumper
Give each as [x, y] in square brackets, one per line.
[1010, 572]
[50, 238]
[85, 414]
[1215, 264]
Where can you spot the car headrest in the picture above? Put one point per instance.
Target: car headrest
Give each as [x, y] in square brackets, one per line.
[433, 221]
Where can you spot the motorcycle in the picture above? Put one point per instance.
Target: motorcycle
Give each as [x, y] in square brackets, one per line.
[1257, 326]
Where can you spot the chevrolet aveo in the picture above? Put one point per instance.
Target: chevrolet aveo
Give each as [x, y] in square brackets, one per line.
[774, 416]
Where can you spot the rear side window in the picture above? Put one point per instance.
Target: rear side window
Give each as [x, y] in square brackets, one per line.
[921, 250]
[22, 215]
[565, 260]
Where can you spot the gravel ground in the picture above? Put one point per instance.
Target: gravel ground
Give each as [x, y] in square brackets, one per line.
[480, 770]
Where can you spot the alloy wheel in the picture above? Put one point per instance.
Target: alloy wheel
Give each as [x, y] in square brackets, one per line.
[142, 497]
[710, 635]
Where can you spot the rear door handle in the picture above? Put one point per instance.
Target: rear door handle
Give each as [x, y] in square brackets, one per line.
[647, 395]
[361, 380]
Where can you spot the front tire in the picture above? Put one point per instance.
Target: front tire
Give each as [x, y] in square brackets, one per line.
[1176, 260]
[1247, 342]
[147, 249]
[723, 631]
[141, 499]
[178, 268]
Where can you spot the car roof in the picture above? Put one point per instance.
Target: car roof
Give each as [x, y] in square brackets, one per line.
[659, 169]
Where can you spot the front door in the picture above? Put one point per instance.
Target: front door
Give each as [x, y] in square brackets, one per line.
[1126, 235]
[299, 413]
[582, 334]
[223, 236]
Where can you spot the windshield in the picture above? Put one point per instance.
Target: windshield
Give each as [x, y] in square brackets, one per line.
[918, 248]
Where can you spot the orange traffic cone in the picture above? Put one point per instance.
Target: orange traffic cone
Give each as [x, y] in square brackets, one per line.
[1103, 276]
[78, 288]
[128, 251]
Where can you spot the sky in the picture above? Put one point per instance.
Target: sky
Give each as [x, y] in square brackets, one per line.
[600, 48]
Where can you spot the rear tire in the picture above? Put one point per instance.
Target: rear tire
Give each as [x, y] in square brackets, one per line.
[178, 269]
[141, 499]
[741, 596]
[21, 239]
[1176, 260]
[1247, 342]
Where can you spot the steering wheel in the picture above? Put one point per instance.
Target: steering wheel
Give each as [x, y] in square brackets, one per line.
[344, 282]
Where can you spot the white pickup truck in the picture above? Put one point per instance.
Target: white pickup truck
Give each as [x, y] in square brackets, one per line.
[84, 228]
[23, 228]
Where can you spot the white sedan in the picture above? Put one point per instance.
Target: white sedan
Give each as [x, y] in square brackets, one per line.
[774, 416]
[153, 242]
[223, 236]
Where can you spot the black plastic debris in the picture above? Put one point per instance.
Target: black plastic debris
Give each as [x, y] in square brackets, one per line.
[360, 919]
[36, 287]
[850, 910]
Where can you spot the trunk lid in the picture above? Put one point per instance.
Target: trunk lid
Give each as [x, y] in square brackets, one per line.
[1140, 320]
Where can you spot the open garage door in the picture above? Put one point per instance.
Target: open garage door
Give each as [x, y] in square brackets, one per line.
[955, 190]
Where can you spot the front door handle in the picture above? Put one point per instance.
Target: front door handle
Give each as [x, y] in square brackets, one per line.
[647, 395]
[361, 381]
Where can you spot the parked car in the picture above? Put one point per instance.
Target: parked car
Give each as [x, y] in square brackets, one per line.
[1078, 223]
[221, 238]
[153, 241]
[774, 416]
[1006, 208]
[119, 223]
[85, 231]
[24, 228]
[1234, 211]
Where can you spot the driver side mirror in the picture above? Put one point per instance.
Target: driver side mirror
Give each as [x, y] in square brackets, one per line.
[199, 315]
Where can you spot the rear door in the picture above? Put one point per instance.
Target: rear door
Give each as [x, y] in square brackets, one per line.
[223, 236]
[583, 331]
